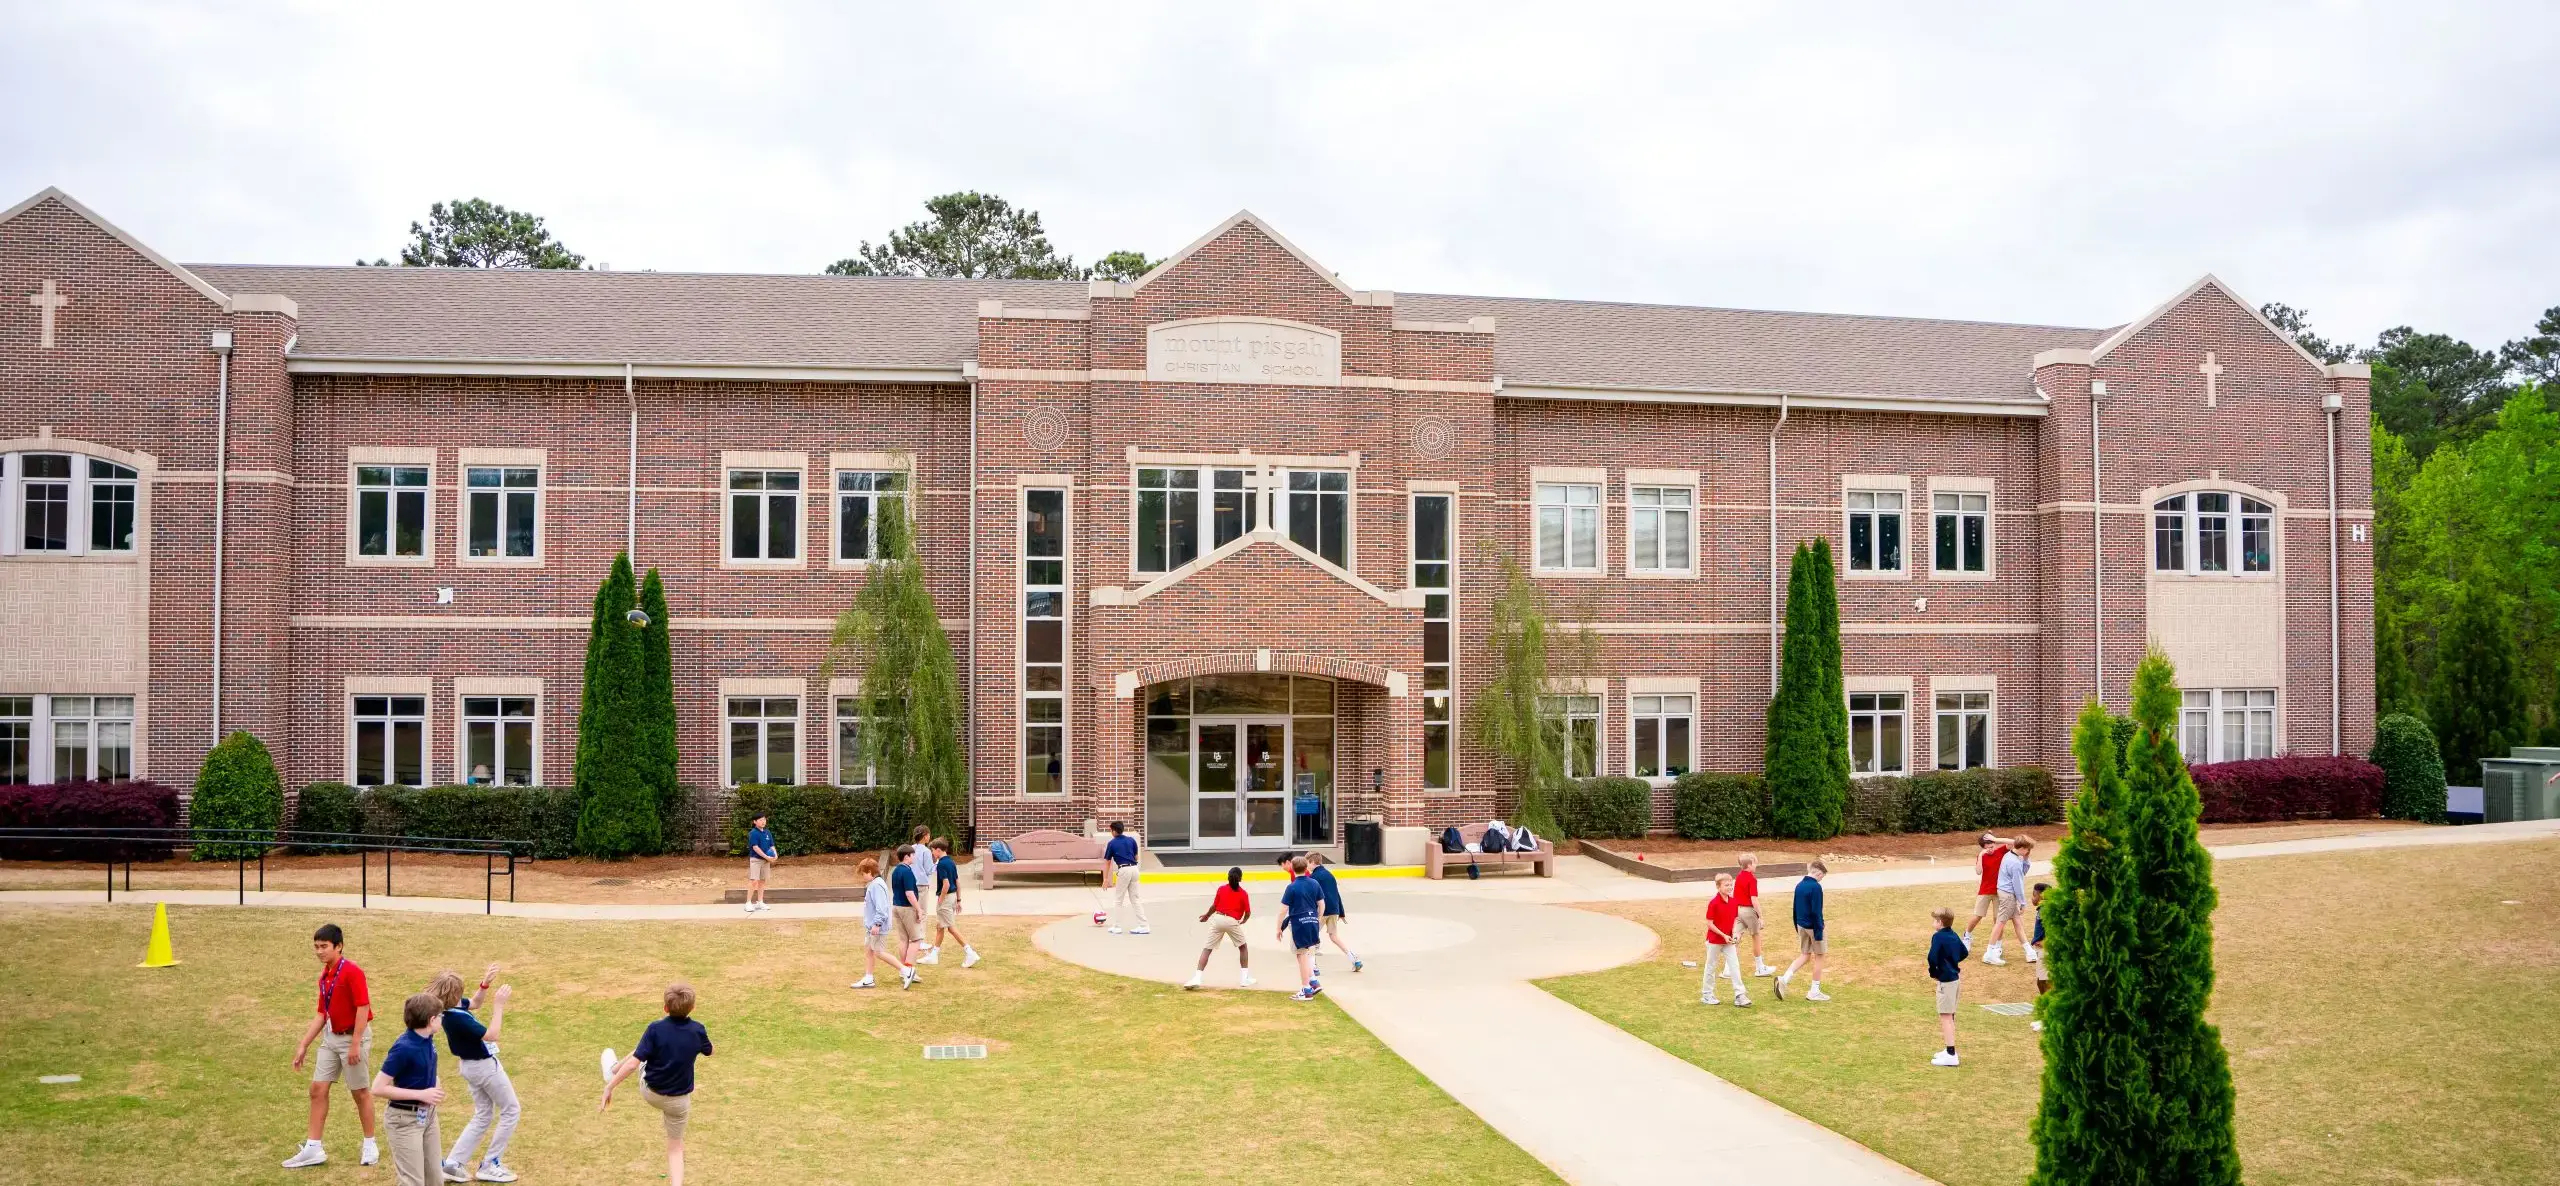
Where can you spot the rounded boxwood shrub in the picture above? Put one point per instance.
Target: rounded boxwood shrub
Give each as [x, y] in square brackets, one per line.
[327, 808]
[1716, 805]
[236, 789]
[2412, 768]
[1605, 808]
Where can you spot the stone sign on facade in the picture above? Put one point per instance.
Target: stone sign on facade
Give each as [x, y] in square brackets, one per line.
[1244, 350]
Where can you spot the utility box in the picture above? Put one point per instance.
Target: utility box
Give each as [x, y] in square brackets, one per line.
[2521, 786]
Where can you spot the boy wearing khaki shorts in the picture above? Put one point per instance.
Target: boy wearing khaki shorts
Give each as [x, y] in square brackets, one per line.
[946, 908]
[1746, 890]
[343, 1026]
[1946, 950]
[760, 858]
[1228, 911]
[1810, 945]
[667, 1049]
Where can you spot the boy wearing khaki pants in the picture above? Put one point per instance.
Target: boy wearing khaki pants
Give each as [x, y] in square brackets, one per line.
[407, 1082]
[667, 1048]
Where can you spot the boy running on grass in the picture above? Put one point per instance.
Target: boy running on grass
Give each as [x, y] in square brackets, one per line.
[494, 1110]
[1746, 890]
[946, 908]
[1722, 910]
[760, 859]
[1229, 909]
[1809, 941]
[1121, 854]
[2012, 895]
[1994, 850]
[906, 912]
[1946, 950]
[346, 1013]
[1302, 924]
[876, 913]
[407, 1081]
[667, 1048]
[1333, 912]
[2035, 950]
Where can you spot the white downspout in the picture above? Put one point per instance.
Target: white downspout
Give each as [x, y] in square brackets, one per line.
[969, 708]
[2097, 545]
[631, 497]
[221, 499]
[2333, 403]
[1780, 423]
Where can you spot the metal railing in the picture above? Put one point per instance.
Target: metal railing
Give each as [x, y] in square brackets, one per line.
[266, 840]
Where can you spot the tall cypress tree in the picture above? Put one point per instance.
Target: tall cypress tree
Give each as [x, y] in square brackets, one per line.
[2173, 945]
[910, 683]
[2478, 705]
[2394, 689]
[658, 759]
[617, 806]
[1807, 761]
[2093, 1124]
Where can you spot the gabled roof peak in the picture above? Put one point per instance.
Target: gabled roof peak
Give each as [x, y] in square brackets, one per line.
[73, 205]
[2208, 280]
[1242, 218]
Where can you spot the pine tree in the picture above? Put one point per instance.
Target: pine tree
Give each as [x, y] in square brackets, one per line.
[2394, 689]
[658, 759]
[617, 805]
[2478, 706]
[1515, 714]
[2194, 1141]
[2093, 1125]
[1808, 724]
[911, 733]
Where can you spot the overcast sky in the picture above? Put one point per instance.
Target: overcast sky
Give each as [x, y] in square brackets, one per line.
[2378, 164]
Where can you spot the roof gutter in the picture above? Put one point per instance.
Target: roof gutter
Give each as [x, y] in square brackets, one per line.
[537, 368]
[1817, 401]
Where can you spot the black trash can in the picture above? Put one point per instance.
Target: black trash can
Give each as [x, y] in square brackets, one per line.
[1364, 842]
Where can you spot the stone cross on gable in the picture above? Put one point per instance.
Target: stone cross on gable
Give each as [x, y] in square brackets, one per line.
[48, 301]
[2211, 371]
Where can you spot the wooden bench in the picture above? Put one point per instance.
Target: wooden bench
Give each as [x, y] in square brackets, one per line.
[1041, 850]
[1434, 861]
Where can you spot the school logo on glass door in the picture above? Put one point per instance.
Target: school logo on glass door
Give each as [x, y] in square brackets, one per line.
[1244, 350]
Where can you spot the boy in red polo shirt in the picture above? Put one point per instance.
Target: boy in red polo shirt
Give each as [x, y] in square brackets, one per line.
[1229, 909]
[1746, 890]
[346, 1013]
[1985, 896]
[1722, 910]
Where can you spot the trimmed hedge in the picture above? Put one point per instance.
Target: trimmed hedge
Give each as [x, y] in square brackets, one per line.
[821, 818]
[327, 807]
[2412, 768]
[236, 789]
[1715, 805]
[87, 805]
[2289, 788]
[1606, 808]
[542, 819]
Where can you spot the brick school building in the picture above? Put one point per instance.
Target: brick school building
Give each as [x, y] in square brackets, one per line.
[1215, 548]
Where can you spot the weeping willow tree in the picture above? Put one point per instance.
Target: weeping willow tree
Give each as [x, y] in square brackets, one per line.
[1520, 715]
[892, 636]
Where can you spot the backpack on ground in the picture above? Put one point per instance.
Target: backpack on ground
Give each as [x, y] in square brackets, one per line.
[1451, 841]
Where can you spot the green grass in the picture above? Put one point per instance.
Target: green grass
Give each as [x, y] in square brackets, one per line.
[1090, 1078]
[2388, 1020]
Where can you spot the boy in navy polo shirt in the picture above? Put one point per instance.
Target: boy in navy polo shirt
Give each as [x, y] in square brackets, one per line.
[906, 912]
[1810, 944]
[1946, 950]
[946, 907]
[407, 1080]
[1121, 853]
[760, 859]
[2035, 949]
[1333, 912]
[1302, 924]
[667, 1048]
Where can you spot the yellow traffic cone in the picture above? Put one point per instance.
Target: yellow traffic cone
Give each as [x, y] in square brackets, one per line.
[159, 955]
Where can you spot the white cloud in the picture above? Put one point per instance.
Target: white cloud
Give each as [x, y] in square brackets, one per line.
[2378, 164]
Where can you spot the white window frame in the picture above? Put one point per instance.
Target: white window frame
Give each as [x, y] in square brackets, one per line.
[901, 489]
[1649, 700]
[26, 712]
[1023, 588]
[736, 462]
[75, 519]
[421, 690]
[1988, 710]
[391, 458]
[2187, 518]
[1282, 496]
[1444, 698]
[502, 688]
[841, 695]
[1662, 483]
[2210, 710]
[81, 515]
[1590, 704]
[1870, 686]
[502, 460]
[1855, 488]
[1961, 489]
[1572, 494]
[763, 693]
[49, 713]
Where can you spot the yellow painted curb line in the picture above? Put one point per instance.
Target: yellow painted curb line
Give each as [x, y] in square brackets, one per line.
[1205, 875]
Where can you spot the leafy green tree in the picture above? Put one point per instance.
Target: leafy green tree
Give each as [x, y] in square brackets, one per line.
[2193, 1137]
[1516, 714]
[1123, 266]
[2296, 324]
[2433, 388]
[2412, 769]
[2478, 707]
[2535, 358]
[658, 759]
[970, 234]
[617, 803]
[893, 635]
[236, 788]
[1808, 723]
[2393, 690]
[2093, 1121]
[477, 233]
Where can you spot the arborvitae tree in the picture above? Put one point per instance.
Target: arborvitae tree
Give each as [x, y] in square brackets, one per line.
[2394, 689]
[1808, 732]
[658, 760]
[617, 804]
[236, 788]
[2412, 769]
[911, 725]
[2478, 705]
[2193, 1138]
[1515, 714]
[2093, 1125]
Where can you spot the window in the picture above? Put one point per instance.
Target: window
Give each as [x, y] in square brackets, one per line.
[1964, 730]
[1658, 526]
[17, 740]
[1662, 729]
[764, 514]
[1320, 514]
[866, 501]
[390, 741]
[112, 490]
[851, 770]
[67, 503]
[2195, 724]
[1577, 720]
[45, 484]
[2226, 724]
[1168, 518]
[497, 740]
[1568, 527]
[764, 740]
[1875, 530]
[2194, 533]
[1875, 732]
[1962, 525]
[1235, 505]
[92, 738]
[1432, 573]
[391, 511]
[501, 506]
[1044, 642]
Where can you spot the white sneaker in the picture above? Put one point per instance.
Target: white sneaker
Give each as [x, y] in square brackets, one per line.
[1942, 1059]
[1741, 1002]
[1779, 986]
[2034, 956]
[932, 955]
[865, 982]
[1244, 980]
[1115, 930]
[1967, 940]
[969, 957]
[372, 1153]
[1194, 982]
[1994, 960]
[1708, 998]
[751, 907]
[1140, 929]
[454, 1173]
[2037, 1026]
[491, 1171]
[1816, 995]
[1763, 970]
[309, 1154]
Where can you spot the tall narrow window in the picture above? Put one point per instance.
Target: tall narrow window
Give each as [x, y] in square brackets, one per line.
[1964, 730]
[112, 490]
[764, 740]
[1962, 529]
[1168, 518]
[2213, 532]
[2169, 534]
[391, 510]
[1236, 505]
[503, 505]
[1663, 725]
[45, 486]
[1320, 514]
[865, 500]
[851, 770]
[1875, 530]
[1044, 641]
[2257, 536]
[1432, 573]
[1658, 523]
[2195, 725]
[17, 740]
[390, 741]
[1568, 527]
[1876, 721]
[497, 740]
[764, 514]
[1576, 721]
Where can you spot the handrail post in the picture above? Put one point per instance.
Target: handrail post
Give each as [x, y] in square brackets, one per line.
[364, 876]
[386, 870]
[111, 876]
[262, 870]
[240, 869]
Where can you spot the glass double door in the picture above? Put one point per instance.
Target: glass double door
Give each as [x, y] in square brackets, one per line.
[1240, 782]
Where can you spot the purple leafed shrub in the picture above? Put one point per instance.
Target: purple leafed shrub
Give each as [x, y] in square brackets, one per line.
[2289, 788]
[86, 805]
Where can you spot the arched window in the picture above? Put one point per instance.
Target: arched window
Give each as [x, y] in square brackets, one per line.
[67, 504]
[2212, 531]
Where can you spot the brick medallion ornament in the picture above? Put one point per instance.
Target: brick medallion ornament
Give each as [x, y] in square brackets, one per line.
[1432, 437]
[1044, 428]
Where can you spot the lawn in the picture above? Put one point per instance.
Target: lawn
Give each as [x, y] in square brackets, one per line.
[1089, 1077]
[2391, 1016]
